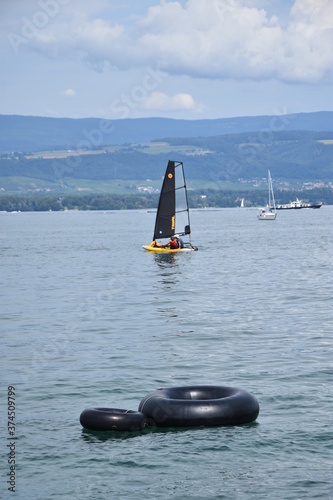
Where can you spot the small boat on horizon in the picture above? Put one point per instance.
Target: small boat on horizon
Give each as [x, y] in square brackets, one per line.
[269, 213]
[297, 204]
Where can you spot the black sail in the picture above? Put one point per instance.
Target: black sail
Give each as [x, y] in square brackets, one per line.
[166, 211]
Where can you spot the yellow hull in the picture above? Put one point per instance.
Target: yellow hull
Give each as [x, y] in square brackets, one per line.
[167, 250]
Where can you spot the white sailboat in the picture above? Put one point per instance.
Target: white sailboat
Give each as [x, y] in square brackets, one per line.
[269, 213]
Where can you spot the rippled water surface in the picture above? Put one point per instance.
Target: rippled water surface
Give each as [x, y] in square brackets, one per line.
[88, 318]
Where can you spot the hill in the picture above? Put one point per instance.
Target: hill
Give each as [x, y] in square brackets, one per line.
[82, 160]
[31, 134]
[294, 158]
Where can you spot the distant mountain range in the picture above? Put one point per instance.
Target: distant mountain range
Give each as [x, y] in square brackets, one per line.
[52, 155]
[31, 134]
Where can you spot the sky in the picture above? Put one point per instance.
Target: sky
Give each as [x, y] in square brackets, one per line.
[194, 59]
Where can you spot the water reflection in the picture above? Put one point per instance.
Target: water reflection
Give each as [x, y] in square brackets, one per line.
[170, 312]
[168, 269]
[165, 260]
[168, 278]
[102, 436]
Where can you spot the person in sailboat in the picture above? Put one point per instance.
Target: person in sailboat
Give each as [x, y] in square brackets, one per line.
[180, 241]
[156, 244]
[174, 243]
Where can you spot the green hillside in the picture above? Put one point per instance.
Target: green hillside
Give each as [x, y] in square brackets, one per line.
[294, 158]
[220, 169]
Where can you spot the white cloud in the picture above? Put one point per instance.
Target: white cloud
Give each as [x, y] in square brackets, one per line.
[159, 101]
[69, 93]
[220, 39]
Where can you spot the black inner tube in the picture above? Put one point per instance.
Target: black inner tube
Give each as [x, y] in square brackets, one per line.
[199, 405]
[115, 419]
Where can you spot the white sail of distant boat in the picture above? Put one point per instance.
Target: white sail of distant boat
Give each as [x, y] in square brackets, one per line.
[269, 213]
[242, 203]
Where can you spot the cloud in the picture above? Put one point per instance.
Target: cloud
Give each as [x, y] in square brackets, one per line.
[220, 39]
[69, 93]
[159, 101]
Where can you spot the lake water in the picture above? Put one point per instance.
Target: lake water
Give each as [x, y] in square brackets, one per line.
[88, 318]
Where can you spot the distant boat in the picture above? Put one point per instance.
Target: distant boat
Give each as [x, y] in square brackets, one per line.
[172, 217]
[297, 204]
[269, 213]
[242, 203]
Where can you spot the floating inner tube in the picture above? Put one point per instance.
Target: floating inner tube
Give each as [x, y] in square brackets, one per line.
[199, 405]
[112, 419]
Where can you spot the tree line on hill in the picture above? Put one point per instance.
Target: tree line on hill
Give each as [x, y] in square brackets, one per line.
[197, 199]
[303, 156]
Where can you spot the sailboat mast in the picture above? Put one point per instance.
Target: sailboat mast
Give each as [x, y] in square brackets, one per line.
[272, 192]
[187, 207]
[269, 189]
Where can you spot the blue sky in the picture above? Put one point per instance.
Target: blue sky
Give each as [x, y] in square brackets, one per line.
[179, 59]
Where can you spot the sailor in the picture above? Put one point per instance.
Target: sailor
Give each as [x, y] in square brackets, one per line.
[180, 241]
[173, 243]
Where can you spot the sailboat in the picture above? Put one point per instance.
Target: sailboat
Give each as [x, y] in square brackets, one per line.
[173, 217]
[270, 212]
